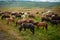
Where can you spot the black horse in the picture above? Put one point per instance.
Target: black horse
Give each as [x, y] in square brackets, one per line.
[1, 13]
[55, 20]
[27, 26]
[4, 16]
[45, 19]
[31, 16]
[18, 16]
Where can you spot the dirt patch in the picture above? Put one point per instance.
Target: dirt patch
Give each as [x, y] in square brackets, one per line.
[10, 31]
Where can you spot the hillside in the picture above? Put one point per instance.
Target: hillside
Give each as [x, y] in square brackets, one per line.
[28, 4]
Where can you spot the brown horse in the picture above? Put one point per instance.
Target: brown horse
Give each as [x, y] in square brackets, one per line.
[30, 20]
[41, 24]
[31, 16]
[19, 22]
[9, 20]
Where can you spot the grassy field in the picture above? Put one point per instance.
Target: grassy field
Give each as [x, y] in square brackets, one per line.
[53, 32]
[11, 31]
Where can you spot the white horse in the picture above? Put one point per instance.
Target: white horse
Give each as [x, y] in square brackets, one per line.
[25, 15]
[46, 12]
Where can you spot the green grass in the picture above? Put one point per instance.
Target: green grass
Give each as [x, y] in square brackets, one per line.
[53, 32]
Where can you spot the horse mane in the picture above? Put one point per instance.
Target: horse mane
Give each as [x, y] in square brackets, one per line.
[36, 23]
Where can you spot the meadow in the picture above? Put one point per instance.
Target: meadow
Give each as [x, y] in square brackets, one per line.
[53, 32]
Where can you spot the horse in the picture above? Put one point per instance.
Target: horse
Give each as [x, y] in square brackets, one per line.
[18, 15]
[55, 20]
[27, 26]
[45, 18]
[30, 20]
[56, 17]
[31, 16]
[19, 22]
[11, 19]
[22, 13]
[42, 24]
[13, 13]
[25, 15]
[1, 13]
[5, 16]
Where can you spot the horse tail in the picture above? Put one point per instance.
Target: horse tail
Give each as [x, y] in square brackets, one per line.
[2, 17]
[16, 24]
[46, 26]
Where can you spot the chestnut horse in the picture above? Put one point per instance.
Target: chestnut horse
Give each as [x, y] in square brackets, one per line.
[29, 20]
[41, 24]
[11, 19]
[19, 22]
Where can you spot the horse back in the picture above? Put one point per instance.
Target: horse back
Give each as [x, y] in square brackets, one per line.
[41, 24]
[28, 25]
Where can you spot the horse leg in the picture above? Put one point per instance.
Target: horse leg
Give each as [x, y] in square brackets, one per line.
[37, 27]
[16, 24]
[46, 27]
[2, 18]
[43, 27]
[13, 20]
[24, 29]
[56, 24]
[41, 20]
[7, 22]
[32, 30]
[20, 28]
